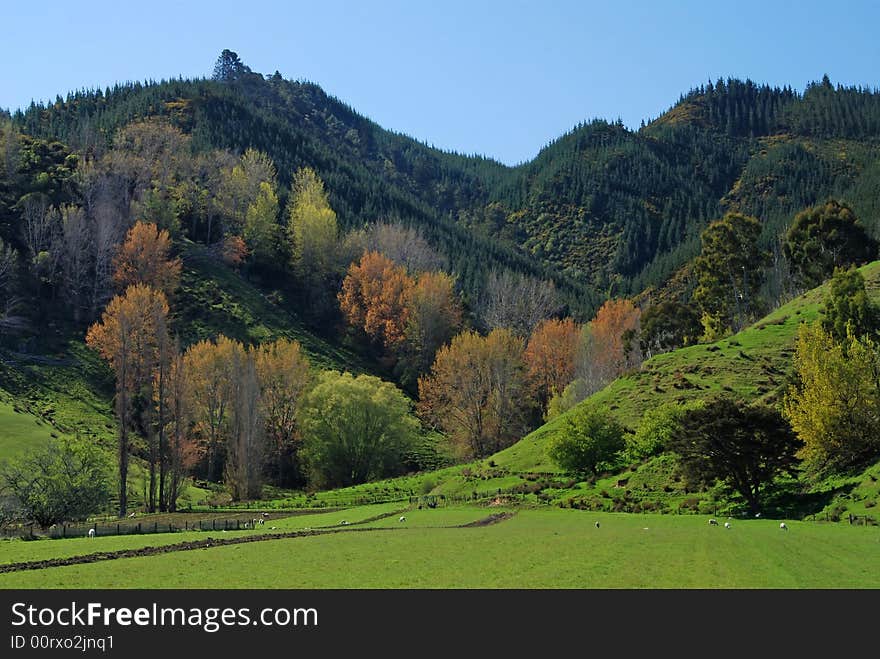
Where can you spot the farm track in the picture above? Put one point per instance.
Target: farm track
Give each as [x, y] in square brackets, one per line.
[211, 542]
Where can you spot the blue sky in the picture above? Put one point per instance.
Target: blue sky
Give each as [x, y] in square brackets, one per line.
[496, 78]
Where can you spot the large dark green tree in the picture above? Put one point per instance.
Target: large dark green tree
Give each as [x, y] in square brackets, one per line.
[825, 237]
[668, 325]
[745, 446]
[729, 273]
[848, 309]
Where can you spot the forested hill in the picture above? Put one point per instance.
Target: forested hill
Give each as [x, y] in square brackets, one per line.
[601, 209]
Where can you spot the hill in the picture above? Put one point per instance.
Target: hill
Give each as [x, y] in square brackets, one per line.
[601, 206]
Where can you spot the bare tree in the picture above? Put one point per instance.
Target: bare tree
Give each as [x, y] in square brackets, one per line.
[179, 453]
[405, 246]
[108, 230]
[244, 465]
[73, 249]
[38, 224]
[10, 300]
[516, 302]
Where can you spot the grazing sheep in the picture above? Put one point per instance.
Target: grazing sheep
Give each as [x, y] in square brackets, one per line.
[91, 533]
[265, 514]
[757, 515]
[262, 521]
[402, 518]
[597, 525]
[783, 526]
[713, 522]
[727, 525]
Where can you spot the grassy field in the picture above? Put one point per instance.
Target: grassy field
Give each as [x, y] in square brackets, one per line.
[373, 516]
[536, 548]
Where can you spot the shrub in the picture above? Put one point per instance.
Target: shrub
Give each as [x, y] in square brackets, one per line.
[589, 440]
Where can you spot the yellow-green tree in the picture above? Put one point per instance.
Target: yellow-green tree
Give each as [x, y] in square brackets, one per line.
[311, 226]
[835, 408]
[260, 225]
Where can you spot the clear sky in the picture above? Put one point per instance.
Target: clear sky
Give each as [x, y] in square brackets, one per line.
[498, 78]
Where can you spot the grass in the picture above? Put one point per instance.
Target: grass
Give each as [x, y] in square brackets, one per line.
[543, 548]
[20, 431]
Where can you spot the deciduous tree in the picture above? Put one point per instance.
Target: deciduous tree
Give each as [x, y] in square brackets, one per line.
[550, 356]
[835, 405]
[283, 371]
[128, 337]
[356, 428]
[478, 392]
[144, 258]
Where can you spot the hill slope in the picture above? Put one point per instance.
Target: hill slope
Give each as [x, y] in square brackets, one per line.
[600, 206]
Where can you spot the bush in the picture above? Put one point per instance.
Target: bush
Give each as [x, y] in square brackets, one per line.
[657, 427]
[589, 440]
[64, 481]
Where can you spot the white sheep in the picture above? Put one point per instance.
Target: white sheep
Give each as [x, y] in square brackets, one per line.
[783, 526]
[265, 514]
[713, 522]
[597, 525]
[262, 521]
[402, 518]
[91, 533]
[727, 525]
[133, 513]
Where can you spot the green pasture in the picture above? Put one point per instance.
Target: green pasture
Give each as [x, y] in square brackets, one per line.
[536, 548]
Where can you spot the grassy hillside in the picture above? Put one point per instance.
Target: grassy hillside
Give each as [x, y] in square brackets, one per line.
[213, 299]
[754, 364]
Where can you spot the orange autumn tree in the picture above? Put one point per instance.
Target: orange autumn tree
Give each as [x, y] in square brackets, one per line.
[128, 337]
[550, 356]
[477, 392]
[284, 375]
[373, 298]
[433, 317]
[210, 368]
[144, 259]
[613, 345]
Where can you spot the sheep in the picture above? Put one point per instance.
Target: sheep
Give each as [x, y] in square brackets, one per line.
[757, 515]
[265, 514]
[727, 525]
[783, 526]
[91, 533]
[262, 521]
[402, 518]
[597, 525]
[133, 513]
[713, 522]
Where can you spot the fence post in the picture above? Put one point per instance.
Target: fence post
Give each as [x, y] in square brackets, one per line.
[117, 529]
[139, 527]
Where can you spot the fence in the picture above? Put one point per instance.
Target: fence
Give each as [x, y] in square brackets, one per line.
[58, 531]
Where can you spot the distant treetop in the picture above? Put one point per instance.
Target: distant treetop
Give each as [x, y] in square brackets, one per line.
[229, 66]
